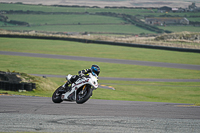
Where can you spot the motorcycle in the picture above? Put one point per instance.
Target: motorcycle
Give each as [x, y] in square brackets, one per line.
[79, 91]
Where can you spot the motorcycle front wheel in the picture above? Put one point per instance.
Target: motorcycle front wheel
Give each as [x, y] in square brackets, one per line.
[56, 97]
[82, 97]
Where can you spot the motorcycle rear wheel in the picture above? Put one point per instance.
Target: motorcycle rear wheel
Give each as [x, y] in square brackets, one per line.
[56, 97]
[82, 98]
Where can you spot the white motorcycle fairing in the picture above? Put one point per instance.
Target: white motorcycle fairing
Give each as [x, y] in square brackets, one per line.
[80, 83]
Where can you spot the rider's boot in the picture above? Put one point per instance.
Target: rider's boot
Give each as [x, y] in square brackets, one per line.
[65, 87]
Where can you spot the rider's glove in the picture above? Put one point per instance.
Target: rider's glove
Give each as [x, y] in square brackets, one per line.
[81, 74]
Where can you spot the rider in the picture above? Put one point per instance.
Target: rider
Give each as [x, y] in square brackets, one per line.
[95, 70]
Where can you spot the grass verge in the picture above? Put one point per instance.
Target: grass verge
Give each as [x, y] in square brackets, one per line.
[34, 65]
[96, 50]
[171, 92]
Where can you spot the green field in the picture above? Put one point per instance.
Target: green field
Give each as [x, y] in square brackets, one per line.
[95, 50]
[91, 10]
[63, 67]
[178, 92]
[95, 23]
[197, 19]
[83, 28]
[66, 19]
[70, 9]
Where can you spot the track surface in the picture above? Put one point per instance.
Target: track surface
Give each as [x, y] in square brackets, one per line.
[22, 113]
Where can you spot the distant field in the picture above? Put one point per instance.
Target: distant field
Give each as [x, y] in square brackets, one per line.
[70, 23]
[85, 22]
[197, 19]
[70, 9]
[91, 10]
[103, 3]
[131, 29]
[65, 19]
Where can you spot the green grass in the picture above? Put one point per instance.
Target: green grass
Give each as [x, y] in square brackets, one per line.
[34, 65]
[69, 9]
[154, 92]
[197, 19]
[177, 92]
[34, 19]
[173, 92]
[96, 50]
[131, 29]
[74, 23]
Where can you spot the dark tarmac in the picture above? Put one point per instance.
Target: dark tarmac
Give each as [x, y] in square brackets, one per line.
[25, 113]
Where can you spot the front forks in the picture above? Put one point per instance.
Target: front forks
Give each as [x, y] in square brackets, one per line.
[83, 89]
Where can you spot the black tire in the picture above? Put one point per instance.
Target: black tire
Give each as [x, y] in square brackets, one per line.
[82, 98]
[56, 97]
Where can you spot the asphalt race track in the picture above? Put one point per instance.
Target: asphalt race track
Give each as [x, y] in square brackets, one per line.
[33, 114]
[40, 114]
